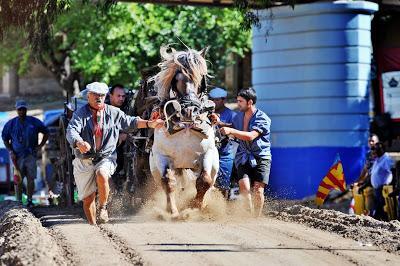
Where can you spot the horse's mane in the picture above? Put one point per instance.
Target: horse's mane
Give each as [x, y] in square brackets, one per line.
[190, 62]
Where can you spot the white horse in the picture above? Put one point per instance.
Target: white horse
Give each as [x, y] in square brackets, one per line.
[188, 140]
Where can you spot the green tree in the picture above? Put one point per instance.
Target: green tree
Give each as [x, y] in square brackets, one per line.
[37, 17]
[88, 44]
[128, 38]
[26, 34]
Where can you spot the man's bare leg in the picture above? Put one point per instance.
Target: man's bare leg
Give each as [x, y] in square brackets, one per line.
[244, 188]
[258, 197]
[89, 207]
[103, 187]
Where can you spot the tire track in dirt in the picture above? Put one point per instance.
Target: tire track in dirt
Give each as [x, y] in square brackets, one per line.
[245, 241]
[130, 255]
[348, 249]
[64, 246]
[229, 240]
[83, 244]
[324, 248]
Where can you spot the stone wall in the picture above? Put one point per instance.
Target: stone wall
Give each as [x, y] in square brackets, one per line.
[37, 81]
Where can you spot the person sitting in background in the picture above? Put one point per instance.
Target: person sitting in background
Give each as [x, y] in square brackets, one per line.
[381, 175]
[226, 150]
[370, 158]
[364, 180]
[396, 191]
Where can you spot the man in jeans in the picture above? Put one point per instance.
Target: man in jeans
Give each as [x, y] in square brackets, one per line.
[226, 150]
[93, 133]
[251, 128]
[20, 136]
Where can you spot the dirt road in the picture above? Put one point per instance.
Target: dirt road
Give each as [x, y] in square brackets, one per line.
[142, 239]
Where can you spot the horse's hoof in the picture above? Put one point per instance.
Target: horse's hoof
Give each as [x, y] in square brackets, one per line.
[175, 215]
[195, 204]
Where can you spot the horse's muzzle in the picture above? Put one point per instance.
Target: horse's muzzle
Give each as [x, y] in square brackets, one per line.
[190, 113]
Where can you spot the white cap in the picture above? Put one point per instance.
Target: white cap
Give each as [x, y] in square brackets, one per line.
[97, 87]
[218, 93]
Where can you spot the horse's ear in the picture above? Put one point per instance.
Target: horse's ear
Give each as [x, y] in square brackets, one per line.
[204, 51]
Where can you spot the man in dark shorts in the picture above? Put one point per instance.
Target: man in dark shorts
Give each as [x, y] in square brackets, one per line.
[251, 128]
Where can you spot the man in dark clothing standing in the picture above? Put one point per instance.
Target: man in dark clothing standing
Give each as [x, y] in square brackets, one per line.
[117, 98]
[20, 136]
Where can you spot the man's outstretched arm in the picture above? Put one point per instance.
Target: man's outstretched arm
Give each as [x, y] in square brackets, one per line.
[242, 135]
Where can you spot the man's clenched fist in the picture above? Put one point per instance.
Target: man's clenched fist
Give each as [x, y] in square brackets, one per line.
[83, 146]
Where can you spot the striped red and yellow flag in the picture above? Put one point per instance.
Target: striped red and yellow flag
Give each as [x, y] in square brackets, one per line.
[333, 180]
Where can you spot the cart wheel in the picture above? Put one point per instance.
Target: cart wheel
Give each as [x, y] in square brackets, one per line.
[66, 165]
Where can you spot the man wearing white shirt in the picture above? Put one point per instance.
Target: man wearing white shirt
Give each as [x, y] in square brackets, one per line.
[381, 175]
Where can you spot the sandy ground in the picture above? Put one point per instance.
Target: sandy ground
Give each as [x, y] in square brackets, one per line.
[364, 229]
[220, 235]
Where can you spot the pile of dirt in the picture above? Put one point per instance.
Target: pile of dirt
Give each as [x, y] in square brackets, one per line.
[366, 230]
[23, 240]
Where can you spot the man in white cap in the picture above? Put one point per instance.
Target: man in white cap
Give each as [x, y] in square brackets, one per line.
[226, 154]
[20, 136]
[93, 133]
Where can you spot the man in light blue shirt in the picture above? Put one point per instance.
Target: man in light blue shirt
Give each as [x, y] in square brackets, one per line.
[381, 175]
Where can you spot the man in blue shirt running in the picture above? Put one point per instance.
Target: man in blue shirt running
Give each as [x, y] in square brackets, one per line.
[226, 150]
[251, 128]
[20, 136]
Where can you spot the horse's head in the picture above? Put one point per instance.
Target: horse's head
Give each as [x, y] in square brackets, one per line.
[184, 90]
[182, 77]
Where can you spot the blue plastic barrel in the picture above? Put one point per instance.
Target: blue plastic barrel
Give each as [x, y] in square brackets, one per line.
[311, 74]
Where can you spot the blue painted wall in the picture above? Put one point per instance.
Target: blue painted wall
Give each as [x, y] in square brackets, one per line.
[311, 74]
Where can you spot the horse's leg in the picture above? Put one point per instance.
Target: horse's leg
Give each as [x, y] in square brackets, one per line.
[169, 185]
[207, 176]
[159, 166]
